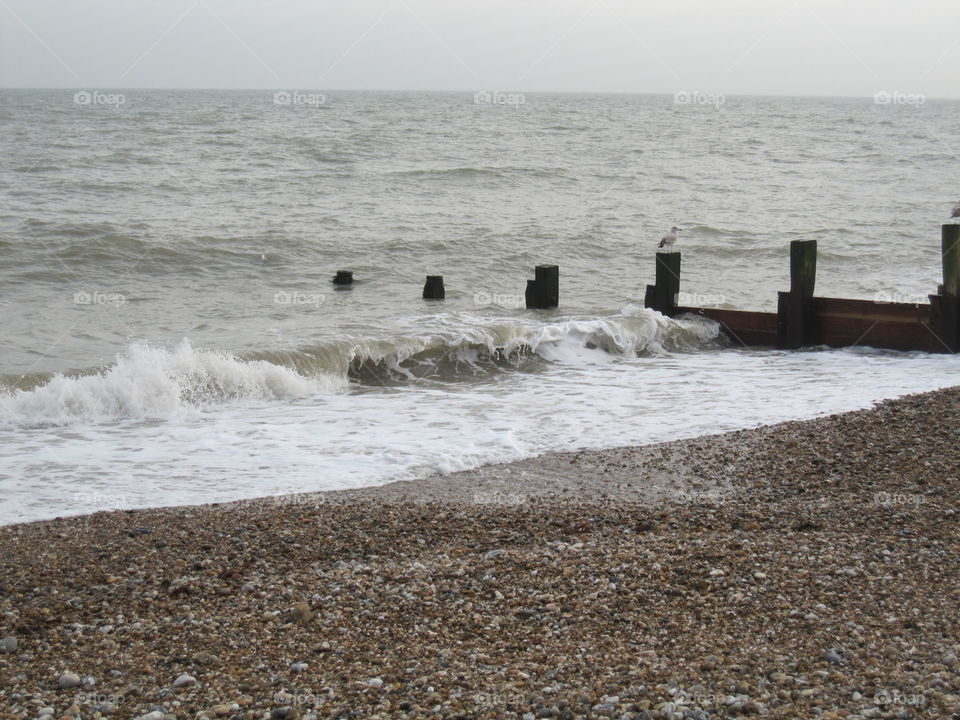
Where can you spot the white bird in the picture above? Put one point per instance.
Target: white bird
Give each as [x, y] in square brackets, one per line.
[669, 239]
[956, 212]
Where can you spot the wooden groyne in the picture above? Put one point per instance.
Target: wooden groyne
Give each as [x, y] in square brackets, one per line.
[802, 319]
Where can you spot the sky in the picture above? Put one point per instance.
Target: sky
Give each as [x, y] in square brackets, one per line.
[730, 47]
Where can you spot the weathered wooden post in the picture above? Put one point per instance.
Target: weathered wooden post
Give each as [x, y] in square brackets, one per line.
[343, 277]
[662, 296]
[796, 323]
[950, 294]
[433, 288]
[544, 291]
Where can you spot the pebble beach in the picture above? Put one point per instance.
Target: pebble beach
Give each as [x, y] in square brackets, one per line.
[801, 570]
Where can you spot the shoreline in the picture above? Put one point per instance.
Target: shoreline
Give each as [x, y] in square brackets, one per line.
[801, 569]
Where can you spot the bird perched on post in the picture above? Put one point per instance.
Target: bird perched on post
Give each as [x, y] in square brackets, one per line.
[956, 212]
[669, 239]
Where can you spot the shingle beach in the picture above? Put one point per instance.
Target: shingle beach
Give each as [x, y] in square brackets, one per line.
[802, 570]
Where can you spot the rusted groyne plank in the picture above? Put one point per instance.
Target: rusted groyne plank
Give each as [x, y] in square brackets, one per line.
[742, 326]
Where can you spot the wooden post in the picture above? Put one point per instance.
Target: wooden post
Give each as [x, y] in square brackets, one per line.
[796, 324]
[343, 277]
[950, 294]
[530, 294]
[544, 291]
[662, 296]
[433, 288]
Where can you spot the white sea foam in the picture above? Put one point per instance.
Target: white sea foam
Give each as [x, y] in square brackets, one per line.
[155, 383]
[368, 438]
[147, 382]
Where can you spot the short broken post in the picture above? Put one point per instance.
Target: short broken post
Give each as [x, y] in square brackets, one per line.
[950, 293]
[544, 292]
[433, 288]
[796, 321]
[343, 277]
[662, 296]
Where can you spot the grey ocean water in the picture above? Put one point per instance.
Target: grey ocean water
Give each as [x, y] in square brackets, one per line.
[171, 334]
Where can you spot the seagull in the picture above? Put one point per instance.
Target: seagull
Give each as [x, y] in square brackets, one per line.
[669, 239]
[956, 212]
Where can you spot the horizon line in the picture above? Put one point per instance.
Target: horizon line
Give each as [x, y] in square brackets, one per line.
[494, 89]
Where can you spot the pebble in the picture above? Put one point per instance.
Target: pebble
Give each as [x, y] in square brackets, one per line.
[9, 644]
[299, 667]
[833, 657]
[68, 680]
[301, 613]
[375, 683]
[184, 681]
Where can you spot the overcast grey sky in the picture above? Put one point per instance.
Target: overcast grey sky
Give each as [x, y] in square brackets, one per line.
[790, 47]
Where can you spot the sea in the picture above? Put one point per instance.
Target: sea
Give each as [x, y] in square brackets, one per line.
[171, 334]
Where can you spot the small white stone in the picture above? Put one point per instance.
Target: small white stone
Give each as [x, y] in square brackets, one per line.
[184, 681]
[68, 680]
[376, 683]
